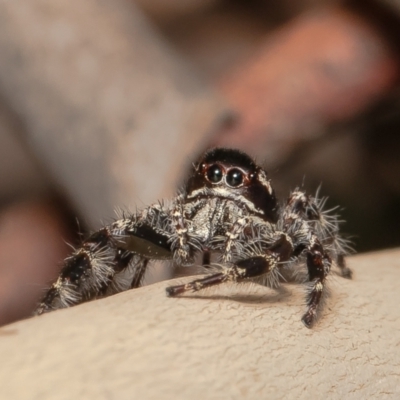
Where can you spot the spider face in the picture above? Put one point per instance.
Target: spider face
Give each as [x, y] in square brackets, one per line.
[231, 174]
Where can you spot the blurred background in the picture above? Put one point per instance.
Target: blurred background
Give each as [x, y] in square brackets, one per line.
[106, 104]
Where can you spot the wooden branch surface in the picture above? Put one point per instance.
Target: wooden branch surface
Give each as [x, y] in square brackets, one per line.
[232, 342]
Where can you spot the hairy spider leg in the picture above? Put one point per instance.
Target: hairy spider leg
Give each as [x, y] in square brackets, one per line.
[90, 271]
[325, 225]
[300, 215]
[265, 262]
[318, 265]
[183, 244]
[307, 224]
[234, 238]
[238, 272]
[86, 273]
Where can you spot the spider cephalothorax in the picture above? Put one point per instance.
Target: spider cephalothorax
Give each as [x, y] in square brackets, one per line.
[228, 208]
[233, 175]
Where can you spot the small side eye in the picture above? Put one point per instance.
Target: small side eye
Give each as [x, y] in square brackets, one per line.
[234, 177]
[214, 174]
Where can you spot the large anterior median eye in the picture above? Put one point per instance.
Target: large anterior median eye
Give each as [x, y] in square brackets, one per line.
[234, 177]
[214, 174]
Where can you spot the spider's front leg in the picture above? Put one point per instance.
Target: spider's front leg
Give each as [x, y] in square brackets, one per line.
[93, 268]
[238, 272]
[234, 238]
[264, 261]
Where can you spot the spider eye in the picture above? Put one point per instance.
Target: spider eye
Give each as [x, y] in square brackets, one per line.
[214, 174]
[234, 177]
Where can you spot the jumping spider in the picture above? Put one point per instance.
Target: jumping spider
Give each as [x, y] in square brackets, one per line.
[227, 208]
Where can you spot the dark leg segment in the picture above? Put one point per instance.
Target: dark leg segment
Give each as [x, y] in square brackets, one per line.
[315, 232]
[318, 264]
[206, 258]
[90, 271]
[242, 270]
[345, 271]
[140, 270]
[84, 275]
[198, 284]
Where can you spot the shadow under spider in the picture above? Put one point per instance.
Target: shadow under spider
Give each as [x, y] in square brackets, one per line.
[281, 294]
